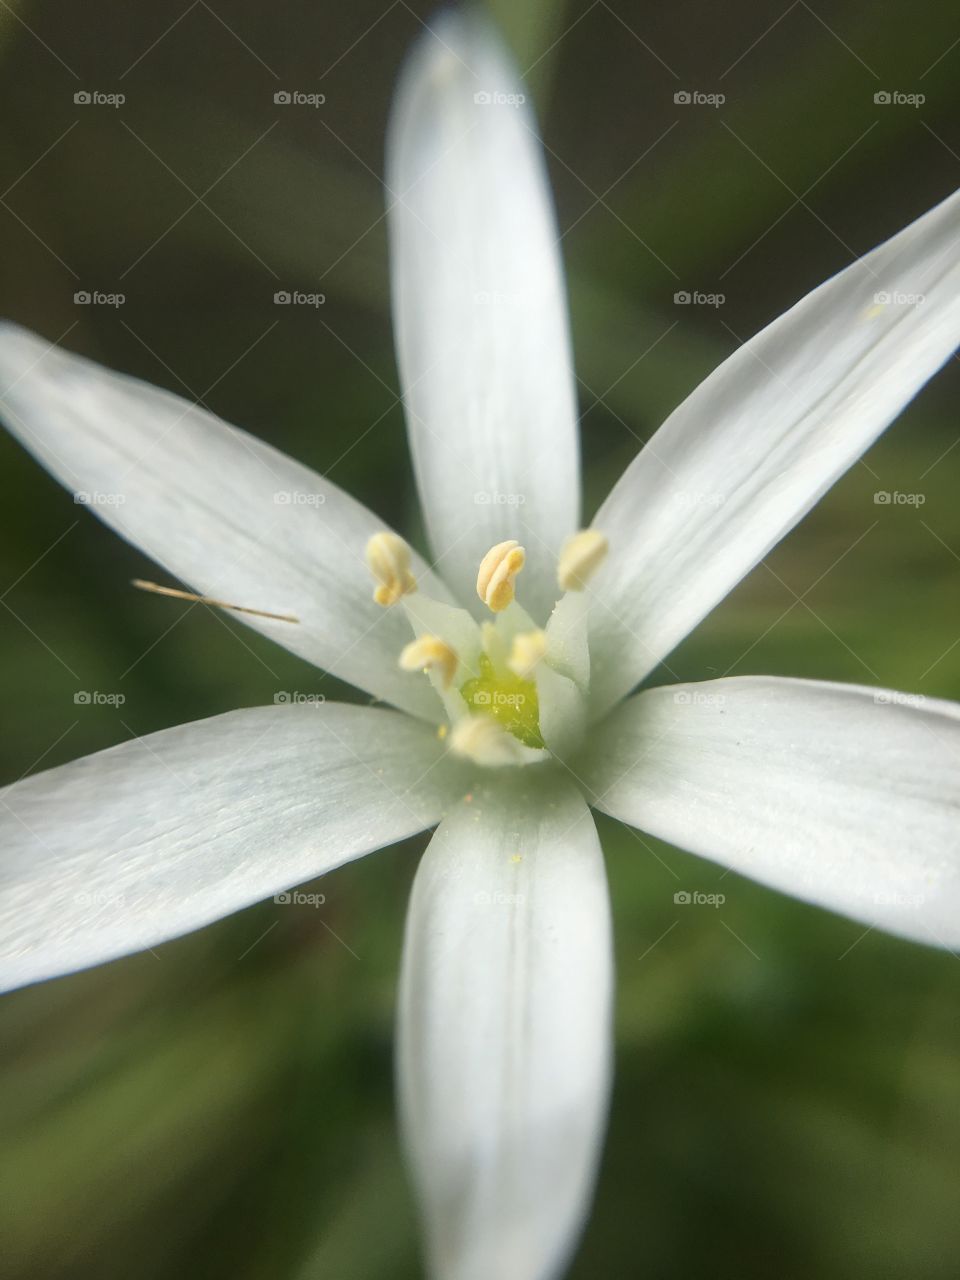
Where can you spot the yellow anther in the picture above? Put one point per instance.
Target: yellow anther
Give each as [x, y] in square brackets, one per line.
[580, 557]
[430, 653]
[388, 558]
[482, 740]
[498, 569]
[528, 649]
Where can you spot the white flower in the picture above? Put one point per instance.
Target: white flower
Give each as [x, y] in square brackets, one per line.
[838, 794]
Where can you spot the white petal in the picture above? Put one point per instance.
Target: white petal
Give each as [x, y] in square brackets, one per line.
[216, 507]
[480, 311]
[158, 836]
[841, 795]
[504, 1029]
[762, 439]
[563, 710]
[567, 636]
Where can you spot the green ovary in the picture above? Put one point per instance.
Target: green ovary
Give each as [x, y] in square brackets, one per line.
[512, 702]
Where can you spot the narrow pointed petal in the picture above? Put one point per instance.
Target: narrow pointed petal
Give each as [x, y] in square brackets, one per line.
[504, 1030]
[747, 455]
[563, 711]
[480, 310]
[568, 637]
[217, 508]
[127, 848]
[841, 795]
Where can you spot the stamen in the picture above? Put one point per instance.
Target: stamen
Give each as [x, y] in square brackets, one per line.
[429, 653]
[482, 740]
[528, 649]
[498, 570]
[388, 558]
[580, 557]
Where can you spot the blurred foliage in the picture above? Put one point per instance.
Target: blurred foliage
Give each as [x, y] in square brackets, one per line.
[787, 1098]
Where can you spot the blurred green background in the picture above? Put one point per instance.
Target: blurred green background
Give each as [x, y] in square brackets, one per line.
[788, 1085]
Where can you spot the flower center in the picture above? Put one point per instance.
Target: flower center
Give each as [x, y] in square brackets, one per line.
[510, 700]
[514, 693]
